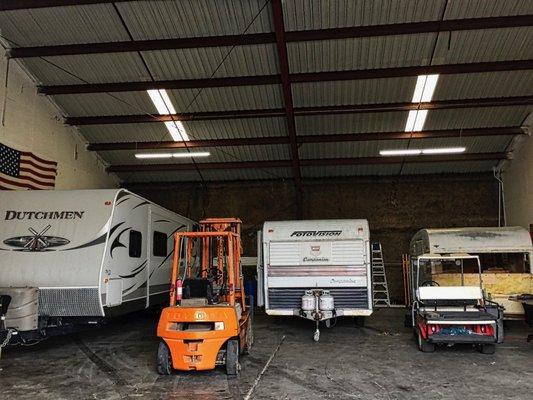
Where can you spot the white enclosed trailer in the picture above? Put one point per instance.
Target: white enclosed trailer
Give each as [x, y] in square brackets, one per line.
[69, 257]
[316, 269]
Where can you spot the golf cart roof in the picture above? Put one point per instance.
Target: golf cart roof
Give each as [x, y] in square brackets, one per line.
[454, 256]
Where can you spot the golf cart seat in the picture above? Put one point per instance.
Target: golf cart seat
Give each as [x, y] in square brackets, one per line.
[464, 297]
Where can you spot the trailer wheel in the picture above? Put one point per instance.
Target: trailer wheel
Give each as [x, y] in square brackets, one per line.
[423, 345]
[359, 321]
[164, 359]
[249, 338]
[232, 357]
[487, 348]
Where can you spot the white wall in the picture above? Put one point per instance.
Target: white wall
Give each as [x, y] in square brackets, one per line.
[33, 123]
[518, 180]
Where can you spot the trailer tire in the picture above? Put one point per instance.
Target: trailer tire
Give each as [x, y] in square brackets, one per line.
[164, 359]
[489, 348]
[232, 357]
[423, 345]
[359, 321]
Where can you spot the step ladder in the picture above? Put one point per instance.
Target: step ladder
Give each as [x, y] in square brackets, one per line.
[380, 289]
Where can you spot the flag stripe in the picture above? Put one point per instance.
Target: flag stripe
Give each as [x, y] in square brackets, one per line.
[22, 184]
[23, 179]
[36, 173]
[41, 160]
[30, 162]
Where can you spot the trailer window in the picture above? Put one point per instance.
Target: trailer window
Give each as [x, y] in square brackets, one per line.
[160, 244]
[136, 239]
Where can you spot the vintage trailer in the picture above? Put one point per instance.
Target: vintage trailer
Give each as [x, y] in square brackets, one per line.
[316, 269]
[76, 257]
[505, 254]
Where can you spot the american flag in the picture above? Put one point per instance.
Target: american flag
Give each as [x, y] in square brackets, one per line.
[21, 170]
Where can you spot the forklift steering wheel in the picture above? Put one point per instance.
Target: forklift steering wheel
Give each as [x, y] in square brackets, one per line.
[429, 283]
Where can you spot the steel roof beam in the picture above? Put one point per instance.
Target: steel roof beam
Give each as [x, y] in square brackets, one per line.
[269, 37]
[308, 162]
[301, 111]
[302, 139]
[492, 66]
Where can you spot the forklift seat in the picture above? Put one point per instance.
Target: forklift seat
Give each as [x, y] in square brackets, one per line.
[198, 288]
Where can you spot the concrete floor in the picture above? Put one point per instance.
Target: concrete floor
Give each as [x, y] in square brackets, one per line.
[379, 361]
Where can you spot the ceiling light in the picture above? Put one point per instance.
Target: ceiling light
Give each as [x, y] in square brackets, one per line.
[425, 86]
[403, 152]
[161, 101]
[164, 106]
[177, 131]
[415, 120]
[153, 155]
[444, 150]
[192, 154]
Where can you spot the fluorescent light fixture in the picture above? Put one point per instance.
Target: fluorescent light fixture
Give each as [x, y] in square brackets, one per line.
[415, 120]
[444, 150]
[425, 86]
[173, 155]
[164, 106]
[153, 155]
[192, 154]
[161, 101]
[403, 152]
[177, 131]
[417, 152]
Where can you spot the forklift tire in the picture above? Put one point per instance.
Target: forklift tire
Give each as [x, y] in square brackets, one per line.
[164, 359]
[423, 345]
[360, 321]
[487, 348]
[232, 357]
[249, 338]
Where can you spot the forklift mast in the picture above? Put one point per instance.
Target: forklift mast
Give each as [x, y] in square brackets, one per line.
[219, 240]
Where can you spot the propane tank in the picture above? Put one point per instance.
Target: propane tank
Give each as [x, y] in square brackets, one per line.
[308, 301]
[326, 301]
[179, 289]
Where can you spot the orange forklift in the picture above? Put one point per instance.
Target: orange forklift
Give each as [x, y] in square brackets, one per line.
[208, 322]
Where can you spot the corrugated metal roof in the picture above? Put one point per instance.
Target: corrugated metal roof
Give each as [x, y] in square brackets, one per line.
[351, 123]
[448, 167]
[218, 154]
[353, 92]
[476, 117]
[323, 14]
[208, 175]
[487, 8]
[484, 45]
[361, 53]
[93, 68]
[192, 18]
[227, 98]
[62, 25]
[203, 62]
[122, 103]
[487, 84]
[481, 144]
[197, 130]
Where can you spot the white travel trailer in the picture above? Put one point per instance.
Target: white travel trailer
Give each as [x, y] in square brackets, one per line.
[505, 255]
[315, 269]
[71, 257]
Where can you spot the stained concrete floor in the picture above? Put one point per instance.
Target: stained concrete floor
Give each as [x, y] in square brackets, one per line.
[379, 361]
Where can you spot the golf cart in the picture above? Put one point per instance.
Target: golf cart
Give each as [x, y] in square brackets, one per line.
[452, 314]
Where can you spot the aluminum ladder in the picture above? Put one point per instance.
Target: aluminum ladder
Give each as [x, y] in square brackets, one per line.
[380, 289]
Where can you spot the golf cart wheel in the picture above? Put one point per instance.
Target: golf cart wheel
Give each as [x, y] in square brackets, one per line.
[164, 359]
[249, 338]
[360, 321]
[488, 348]
[232, 357]
[423, 345]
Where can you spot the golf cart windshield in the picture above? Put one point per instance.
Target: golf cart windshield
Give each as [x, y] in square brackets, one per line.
[427, 266]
